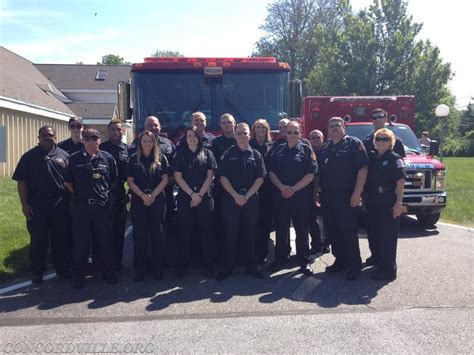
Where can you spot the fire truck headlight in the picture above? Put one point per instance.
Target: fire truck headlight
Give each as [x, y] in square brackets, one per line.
[440, 181]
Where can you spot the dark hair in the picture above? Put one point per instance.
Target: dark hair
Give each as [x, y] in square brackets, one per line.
[201, 155]
[45, 128]
[380, 110]
[155, 153]
[75, 119]
[114, 121]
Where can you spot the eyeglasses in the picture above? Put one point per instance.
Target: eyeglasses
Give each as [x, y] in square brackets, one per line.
[378, 117]
[382, 139]
[75, 126]
[292, 132]
[91, 138]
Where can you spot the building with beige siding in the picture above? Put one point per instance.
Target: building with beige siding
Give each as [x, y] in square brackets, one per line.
[28, 100]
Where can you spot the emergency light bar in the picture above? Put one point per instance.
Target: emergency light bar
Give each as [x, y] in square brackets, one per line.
[362, 98]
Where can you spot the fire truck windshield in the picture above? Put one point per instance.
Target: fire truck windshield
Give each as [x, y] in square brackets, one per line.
[402, 131]
[173, 95]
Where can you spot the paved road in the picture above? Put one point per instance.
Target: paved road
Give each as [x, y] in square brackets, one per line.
[429, 308]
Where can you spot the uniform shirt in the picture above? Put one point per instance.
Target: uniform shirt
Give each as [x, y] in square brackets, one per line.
[207, 140]
[220, 145]
[120, 154]
[141, 174]
[92, 177]
[69, 146]
[292, 164]
[339, 164]
[280, 143]
[384, 171]
[43, 172]
[399, 148]
[242, 167]
[194, 171]
[263, 149]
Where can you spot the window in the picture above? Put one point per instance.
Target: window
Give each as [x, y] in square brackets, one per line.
[101, 75]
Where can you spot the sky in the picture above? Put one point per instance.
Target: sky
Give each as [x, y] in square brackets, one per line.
[58, 31]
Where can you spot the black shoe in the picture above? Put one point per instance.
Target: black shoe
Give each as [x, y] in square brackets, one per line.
[110, 279]
[262, 261]
[370, 261]
[255, 273]
[336, 267]
[306, 269]
[139, 276]
[384, 275]
[223, 275]
[158, 275]
[77, 283]
[37, 279]
[276, 266]
[325, 249]
[352, 275]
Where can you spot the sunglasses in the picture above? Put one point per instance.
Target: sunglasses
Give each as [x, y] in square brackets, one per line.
[382, 139]
[378, 117]
[75, 126]
[292, 132]
[91, 138]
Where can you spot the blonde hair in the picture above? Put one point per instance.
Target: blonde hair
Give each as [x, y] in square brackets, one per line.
[388, 133]
[155, 152]
[265, 124]
[229, 117]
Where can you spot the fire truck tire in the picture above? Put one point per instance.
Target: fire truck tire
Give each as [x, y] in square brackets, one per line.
[428, 220]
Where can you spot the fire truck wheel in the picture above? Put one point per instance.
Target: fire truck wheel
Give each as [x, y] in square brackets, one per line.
[428, 220]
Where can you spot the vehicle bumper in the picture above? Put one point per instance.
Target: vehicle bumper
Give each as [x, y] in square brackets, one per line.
[425, 203]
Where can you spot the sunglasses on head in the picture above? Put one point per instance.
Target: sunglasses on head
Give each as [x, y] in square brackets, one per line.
[91, 138]
[378, 117]
[293, 132]
[75, 126]
[382, 139]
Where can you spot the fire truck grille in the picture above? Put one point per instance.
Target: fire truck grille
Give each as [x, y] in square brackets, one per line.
[418, 180]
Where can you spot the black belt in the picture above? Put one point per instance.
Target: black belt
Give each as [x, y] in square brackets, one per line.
[94, 201]
[147, 191]
[382, 189]
[196, 188]
[242, 191]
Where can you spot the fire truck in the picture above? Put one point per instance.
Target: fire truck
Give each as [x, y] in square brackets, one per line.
[425, 194]
[173, 88]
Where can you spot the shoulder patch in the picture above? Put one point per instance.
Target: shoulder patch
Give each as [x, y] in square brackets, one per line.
[400, 163]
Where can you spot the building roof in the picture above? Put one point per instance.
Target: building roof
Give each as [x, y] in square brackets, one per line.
[83, 76]
[93, 110]
[22, 81]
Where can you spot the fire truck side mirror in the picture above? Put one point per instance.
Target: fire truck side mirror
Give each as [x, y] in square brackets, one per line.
[434, 148]
[347, 118]
[123, 99]
[392, 118]
[296, 95]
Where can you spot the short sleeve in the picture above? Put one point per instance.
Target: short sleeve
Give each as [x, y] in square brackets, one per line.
[360, 154]
[21, 170]
[223, 168]
[211, 161]
[312, 166]
[165, 166]
[261, 169]
[129, 169]
[399, 148]
[177, 163]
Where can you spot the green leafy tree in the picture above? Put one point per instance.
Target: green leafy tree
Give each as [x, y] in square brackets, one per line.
[466, 124]
[112, 59]
[166, 53]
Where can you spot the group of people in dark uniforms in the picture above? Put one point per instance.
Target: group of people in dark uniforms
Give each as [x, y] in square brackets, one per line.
[231, 190]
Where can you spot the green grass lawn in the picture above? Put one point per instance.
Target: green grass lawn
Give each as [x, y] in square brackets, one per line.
[460, 190]
[14, 237]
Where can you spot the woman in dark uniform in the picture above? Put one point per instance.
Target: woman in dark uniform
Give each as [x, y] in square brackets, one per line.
[262, 142]
[193, 168]
[147, 176]
[384, 194]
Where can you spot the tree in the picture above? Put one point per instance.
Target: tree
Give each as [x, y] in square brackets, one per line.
[166, 53]
[112, 59]
[290, 25]
[466, 125]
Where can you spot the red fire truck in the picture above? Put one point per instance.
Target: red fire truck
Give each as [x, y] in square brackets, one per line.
[425, 194]
[251, 88]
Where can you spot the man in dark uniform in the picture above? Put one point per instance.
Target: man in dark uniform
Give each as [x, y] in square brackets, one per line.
[343, 171]
[74, 143]
[219, 146]
[45, 204]
[199, 121]
[379, 120]
[241, 171]
[318, 245]
[91, 176]
[292, 169]
[119, 151]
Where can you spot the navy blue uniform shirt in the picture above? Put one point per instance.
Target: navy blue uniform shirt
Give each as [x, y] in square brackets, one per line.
[399, 148]
[339, 164]
[43, 172]
[292, 164]
[207, 140]
[193, 166]
[242, 167]
[92, 177]
[141, 174]
[220, 145]
[120, 154]
[69, 146]
[384, 171]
